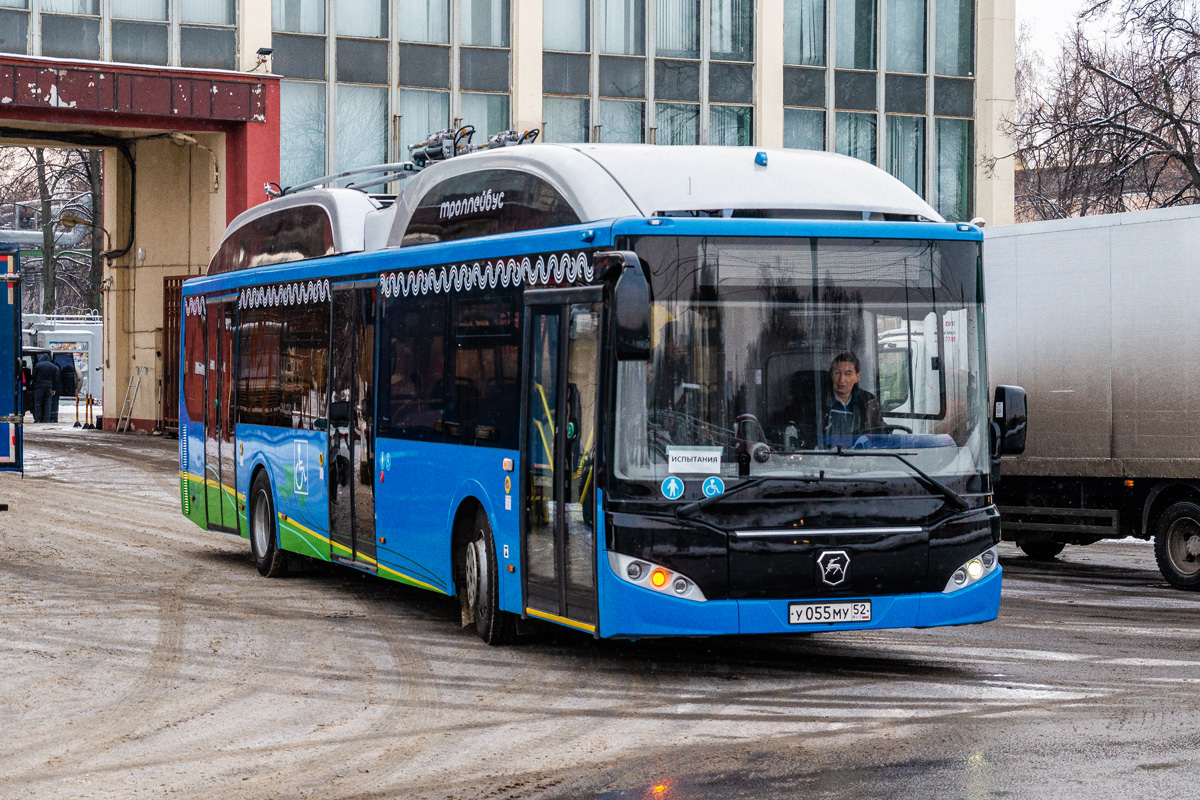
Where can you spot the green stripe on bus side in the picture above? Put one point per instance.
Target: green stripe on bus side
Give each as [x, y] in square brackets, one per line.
[297, 539]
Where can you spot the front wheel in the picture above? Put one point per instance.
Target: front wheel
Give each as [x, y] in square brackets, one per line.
[264, 546]
[1177, 545]
[481, 588]
[1040, 549]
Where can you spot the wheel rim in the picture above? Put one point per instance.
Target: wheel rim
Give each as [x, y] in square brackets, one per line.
[472, 575]
[1183, 546]
[260, 526]
[482, 589]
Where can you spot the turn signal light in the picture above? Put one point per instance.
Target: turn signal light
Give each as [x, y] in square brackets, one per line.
[654, 577]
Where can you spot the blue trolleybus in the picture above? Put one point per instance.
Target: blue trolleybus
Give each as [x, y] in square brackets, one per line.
[633, 390]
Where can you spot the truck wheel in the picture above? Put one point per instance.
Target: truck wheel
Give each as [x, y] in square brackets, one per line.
[1040, 549]
[481, 587]
[264, 546]
[1177, 545]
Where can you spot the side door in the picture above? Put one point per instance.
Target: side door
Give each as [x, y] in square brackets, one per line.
[351, 427]
[11, 384]
[560, 392]
[219, 441]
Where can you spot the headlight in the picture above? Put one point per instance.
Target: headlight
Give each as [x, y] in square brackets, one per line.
[654, 577]
[973, 571]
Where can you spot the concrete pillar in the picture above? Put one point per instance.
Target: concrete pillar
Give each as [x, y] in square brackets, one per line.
[527, 64]
[253, 32]
[768, 73]
[995, 97]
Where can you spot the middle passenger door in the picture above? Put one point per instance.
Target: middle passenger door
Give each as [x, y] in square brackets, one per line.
[558, 452]
[351, 424]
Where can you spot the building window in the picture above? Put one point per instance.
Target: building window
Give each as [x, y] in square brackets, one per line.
[731, 125]
[855, 46]
[855, 135]
[14, 27]
[426, 21]
[906, 150]
[566, 119]
[804, 128]
[952, 141]
[678, 27]
[485, 23]
[732, 30]
[906, 36]
[678, 123]
[621, 120]
[365, 19]
[487, 112]
[74, 36]
[301, 131]
[207, 36]
[362, 125]
[565, 26]
[804, 32]
[299, 16]
[422, 113]
[622, 26]
[953, 42]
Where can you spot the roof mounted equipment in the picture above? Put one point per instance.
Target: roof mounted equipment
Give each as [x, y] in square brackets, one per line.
[438, 146]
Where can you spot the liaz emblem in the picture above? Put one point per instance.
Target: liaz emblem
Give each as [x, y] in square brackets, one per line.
[834, 567]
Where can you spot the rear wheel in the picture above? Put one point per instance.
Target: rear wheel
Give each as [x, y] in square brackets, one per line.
[1040, 549]
[480, 595]
[1177, 545]
[264, 546]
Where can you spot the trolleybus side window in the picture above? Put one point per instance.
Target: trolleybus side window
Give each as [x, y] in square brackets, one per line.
[485, 203]
[290, 234]
[304, 365]
[194, 366]
[258, 387]
[413, 359]
[487, 337]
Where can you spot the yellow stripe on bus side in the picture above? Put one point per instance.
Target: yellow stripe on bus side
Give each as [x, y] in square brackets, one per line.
[583, 626]
[191, 476]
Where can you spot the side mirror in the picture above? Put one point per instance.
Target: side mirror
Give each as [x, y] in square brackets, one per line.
[630, 303]
[1010, 416]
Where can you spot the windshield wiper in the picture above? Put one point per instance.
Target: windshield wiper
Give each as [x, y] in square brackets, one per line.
[922, 477]
[690, 509]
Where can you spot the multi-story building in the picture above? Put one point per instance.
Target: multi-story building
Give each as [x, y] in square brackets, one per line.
[918, 87]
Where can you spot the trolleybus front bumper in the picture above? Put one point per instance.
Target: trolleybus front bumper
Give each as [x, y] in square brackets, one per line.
[629, 611]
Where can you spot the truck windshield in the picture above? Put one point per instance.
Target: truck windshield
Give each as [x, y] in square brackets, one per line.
[766, 352]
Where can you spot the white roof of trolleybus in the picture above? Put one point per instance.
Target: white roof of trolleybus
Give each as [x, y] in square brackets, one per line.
[608, 181]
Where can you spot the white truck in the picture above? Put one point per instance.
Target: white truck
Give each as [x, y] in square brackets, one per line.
[1099, 319]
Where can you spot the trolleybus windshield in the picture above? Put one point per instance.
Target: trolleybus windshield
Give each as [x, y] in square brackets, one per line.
[744, 333]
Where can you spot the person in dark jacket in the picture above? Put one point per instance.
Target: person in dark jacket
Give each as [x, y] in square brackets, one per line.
[45, 387]
[850, 410]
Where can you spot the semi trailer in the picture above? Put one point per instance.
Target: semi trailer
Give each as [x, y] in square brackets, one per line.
[1099, 319]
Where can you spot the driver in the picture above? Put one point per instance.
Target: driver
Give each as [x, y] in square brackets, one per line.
[849, 410]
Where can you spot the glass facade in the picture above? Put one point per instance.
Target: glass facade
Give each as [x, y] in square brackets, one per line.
[177, 33]
[887, 81]
[693, 84]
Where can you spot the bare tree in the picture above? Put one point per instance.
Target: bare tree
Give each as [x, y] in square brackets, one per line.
[39, 186]
[47, 219]
[1114, 124]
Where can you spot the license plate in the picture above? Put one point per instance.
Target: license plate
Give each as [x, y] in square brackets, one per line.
[815, 613]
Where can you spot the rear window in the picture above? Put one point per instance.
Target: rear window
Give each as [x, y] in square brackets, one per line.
[290, 234]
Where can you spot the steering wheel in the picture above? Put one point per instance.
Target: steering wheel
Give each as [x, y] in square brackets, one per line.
[886, 428]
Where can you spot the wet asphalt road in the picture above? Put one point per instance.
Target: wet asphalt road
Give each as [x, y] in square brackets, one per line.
[143, 657]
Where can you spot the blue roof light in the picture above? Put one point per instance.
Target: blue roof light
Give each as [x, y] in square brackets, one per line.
[760, 158]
